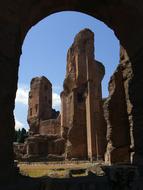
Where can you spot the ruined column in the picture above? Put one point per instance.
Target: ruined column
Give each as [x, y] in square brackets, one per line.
[94, 110]
[40, 102]
[82, 98]
[98, 111]
[9, 62]
[64, 114]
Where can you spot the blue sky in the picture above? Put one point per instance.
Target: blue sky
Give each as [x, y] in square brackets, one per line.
[44, 53]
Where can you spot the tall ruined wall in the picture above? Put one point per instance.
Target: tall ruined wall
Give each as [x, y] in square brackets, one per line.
[127, 76]
[81, 99]
[73, 100]
[117, 110]
[40, 102]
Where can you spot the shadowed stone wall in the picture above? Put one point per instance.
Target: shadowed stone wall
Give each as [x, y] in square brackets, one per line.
[125, 17]
[118, 115]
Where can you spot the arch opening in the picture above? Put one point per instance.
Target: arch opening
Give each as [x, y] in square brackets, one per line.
[110, 49]
[108, 39]
[124, 27]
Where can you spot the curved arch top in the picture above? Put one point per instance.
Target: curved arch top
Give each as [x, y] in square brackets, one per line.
[121, 16]
[124, 17]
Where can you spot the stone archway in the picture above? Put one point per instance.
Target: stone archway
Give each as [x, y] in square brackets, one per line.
[16, 18]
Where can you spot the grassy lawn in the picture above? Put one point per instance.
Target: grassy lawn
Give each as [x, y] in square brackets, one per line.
[51, 170]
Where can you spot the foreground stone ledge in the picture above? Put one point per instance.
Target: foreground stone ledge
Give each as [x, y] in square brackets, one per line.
[118, 177]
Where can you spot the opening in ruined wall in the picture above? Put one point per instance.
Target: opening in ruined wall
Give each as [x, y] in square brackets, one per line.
[44, 53]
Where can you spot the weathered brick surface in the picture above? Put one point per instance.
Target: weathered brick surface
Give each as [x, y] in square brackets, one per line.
[40, 102]
[117, 111]
[82, 113]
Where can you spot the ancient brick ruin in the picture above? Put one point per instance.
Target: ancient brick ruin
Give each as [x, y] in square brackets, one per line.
[79, 132]
[124, 17]
[40, 107]
[45, 140]
[117, 110]
[82, 113]
[88, 127]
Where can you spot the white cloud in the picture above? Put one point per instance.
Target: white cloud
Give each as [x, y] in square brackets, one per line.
[18, 125]
[22, 95]
[56, 101]
[57, 87]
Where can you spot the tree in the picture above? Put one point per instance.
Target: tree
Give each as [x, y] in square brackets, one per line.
[20, 135]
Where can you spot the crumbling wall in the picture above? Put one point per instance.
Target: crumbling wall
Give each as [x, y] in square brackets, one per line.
[117, 111]
[51, 126]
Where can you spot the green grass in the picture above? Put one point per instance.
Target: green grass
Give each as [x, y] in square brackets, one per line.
[51, 170]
